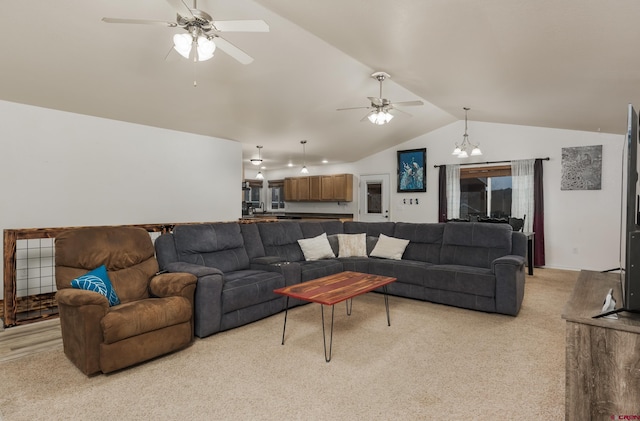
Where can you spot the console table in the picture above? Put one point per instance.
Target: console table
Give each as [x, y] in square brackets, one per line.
[602, 355]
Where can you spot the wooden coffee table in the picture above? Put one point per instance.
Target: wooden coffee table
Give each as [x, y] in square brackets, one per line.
[332, 290]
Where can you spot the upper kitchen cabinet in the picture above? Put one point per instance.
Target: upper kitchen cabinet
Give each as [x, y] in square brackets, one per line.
[325, 188]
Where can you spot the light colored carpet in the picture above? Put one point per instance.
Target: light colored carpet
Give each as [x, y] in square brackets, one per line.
[433, 362]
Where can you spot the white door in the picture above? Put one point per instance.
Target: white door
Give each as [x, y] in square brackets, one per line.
[374, 198]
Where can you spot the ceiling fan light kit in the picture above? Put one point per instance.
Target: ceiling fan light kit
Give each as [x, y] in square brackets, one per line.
[202, 31]
[381, 107]
[183, 44]
[461, 150]
[380, 117]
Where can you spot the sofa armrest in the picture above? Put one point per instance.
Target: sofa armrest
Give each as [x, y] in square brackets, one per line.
[207, 300]
[290, 270]
[267, 260]
[173, 284]
[197, 270]
[510, 259]
[509, 272]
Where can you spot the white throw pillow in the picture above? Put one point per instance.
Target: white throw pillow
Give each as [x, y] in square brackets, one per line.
[352, 245]
[389, 247]
[316, 248]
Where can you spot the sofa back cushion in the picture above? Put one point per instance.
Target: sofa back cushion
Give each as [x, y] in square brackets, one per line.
[281, 239]
[372, 229]
[215, 245]
[252, 240]
[474, 243]
[425, 241]
[312, 229]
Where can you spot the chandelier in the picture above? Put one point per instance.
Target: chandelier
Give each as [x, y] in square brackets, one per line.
[461, 150]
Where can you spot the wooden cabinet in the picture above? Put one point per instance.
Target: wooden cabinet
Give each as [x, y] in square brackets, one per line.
[324, 188]
[602, 374]
[315, 192]
[343, 187]
[327, 187]
[303, 189]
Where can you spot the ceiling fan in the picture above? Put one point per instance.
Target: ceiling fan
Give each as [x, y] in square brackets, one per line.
[381, 107]
[202, 32]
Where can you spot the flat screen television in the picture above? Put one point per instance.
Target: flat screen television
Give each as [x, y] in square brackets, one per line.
[630, 221]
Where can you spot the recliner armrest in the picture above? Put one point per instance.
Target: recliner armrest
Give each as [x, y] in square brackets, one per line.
[75, 297]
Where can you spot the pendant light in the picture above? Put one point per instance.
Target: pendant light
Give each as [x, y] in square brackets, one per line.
[304, 169]
[258, 160]
[461, 150]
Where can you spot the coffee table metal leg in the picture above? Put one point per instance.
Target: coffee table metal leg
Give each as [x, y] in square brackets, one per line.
[286, 310]
[349, 306]
[324, 335]
[386, 304]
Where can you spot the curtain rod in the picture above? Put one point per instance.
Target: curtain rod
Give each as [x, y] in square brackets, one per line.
[487, 162]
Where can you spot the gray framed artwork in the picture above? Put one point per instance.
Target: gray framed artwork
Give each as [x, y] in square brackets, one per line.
[581, 168]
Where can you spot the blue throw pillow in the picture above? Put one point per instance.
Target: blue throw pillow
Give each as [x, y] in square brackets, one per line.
[97, 281]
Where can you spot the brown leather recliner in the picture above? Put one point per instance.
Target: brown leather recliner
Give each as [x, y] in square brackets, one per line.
[155, 314]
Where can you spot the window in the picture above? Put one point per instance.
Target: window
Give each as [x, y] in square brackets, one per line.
[276, 188]
[485, 191]
[253, 195]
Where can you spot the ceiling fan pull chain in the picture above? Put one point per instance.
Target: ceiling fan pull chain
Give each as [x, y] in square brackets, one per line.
[195, 84]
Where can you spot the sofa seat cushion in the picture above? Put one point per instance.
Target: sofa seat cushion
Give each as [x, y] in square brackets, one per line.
[406, 271]
[319, 268]
[465, 279]
[245, 288]
[137, 317]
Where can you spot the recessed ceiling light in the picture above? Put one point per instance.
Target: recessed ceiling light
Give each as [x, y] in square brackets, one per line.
[290, 164]
[324, 161]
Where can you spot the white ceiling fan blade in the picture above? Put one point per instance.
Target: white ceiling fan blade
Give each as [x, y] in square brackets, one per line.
[241, 26]
[140, 21]
[408, 103]
[398, 110]
[352, 108]
[376, 101]
[232, 50]
[181, 8]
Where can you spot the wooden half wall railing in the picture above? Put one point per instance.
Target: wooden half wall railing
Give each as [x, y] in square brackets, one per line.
[11, 303]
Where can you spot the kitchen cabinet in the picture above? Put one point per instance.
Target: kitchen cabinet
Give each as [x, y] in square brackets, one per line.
[315, 192]
[303, 189]
[324, 188]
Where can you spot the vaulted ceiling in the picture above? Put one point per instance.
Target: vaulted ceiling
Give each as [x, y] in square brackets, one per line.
[569, 64]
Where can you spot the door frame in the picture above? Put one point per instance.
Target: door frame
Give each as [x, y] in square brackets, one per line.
[385, 181]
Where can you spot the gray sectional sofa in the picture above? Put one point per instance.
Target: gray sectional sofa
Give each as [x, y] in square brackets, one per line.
[471, 265]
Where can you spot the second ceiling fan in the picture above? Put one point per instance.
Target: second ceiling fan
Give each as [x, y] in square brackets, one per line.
[202, 32]
[381, 107]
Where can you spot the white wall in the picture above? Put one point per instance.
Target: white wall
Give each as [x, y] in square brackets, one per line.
[581, 227]
[60, 169]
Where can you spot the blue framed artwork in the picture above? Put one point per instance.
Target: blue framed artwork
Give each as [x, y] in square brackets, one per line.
[411, 174]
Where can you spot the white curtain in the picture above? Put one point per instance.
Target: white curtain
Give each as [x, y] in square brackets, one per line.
[453, 191]
[522, 191]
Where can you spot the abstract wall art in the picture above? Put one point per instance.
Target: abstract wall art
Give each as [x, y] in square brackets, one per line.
[581, 168]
